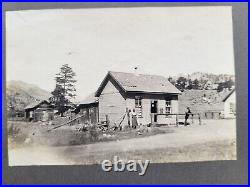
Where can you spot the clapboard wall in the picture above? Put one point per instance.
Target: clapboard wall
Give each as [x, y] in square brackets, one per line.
[111, 103]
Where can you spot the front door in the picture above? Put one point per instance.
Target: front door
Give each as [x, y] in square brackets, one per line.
[154, 109]
[45, 116]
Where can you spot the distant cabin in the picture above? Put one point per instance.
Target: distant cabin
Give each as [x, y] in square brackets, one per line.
[39, 111]
[230, 105]
[147, 94]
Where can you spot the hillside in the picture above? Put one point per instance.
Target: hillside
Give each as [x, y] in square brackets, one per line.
[203, 81]
[202, 100]
[19, 94]
[201, 76]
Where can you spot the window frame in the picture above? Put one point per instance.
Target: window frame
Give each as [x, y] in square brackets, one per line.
[168, 104]
[138, 106]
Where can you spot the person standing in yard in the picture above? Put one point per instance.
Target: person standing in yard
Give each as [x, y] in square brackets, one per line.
[134, 119]
[129, 118]
[187, 113]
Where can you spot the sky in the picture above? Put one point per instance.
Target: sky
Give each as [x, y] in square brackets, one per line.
[162, 41]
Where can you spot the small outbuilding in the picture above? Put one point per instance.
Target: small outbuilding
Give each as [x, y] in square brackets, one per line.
[230, 105]
[39, 111]
[88, 109]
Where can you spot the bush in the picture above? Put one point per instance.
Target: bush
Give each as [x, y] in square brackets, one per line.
[93, 132]
[84, 137]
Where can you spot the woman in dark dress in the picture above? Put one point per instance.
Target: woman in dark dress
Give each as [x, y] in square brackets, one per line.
[129, 118]
[187, 113]
[134, 119]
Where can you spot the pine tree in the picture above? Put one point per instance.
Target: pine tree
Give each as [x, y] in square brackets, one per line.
[65, 88]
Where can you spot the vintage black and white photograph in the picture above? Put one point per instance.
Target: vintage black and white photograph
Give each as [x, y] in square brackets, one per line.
[148, 84]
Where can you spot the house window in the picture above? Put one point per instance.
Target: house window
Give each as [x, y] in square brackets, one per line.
[232, 108]
[168, 107]
[138, 106]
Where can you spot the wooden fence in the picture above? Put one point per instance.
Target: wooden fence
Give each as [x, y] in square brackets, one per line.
[176, 117]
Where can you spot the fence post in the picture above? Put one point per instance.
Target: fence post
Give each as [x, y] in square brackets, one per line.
[177, 121]
[107, 120]
[199, 117]
[151, 118]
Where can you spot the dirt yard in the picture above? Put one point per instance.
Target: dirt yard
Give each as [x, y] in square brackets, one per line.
[213, 140]
[23, 134]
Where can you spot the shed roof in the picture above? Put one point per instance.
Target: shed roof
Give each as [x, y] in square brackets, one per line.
[227, 96]
[131, 82]
[34, 104]
[89, 99]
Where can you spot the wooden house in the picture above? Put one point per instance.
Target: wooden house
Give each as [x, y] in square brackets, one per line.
[147, 94]
[39, 111]
[230, 105]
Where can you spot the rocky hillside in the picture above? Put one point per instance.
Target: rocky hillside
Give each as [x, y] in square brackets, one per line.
[201, 76]
[203, 81]
[201, 101]
[19, 94]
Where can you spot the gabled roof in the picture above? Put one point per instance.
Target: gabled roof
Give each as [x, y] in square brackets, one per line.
[227, 96]
[130, 82]
[35, 104]
[89, 99]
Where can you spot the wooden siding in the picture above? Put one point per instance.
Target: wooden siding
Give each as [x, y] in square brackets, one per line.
[89, 114]
[42, 112]
[111, 103]
[231, 100]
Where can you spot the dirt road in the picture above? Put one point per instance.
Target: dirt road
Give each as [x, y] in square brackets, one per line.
[213, 140]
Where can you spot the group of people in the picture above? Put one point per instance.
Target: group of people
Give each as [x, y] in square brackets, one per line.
[133, 123]
[132, 119]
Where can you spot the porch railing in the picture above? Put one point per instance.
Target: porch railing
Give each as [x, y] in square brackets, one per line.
[152, 117]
